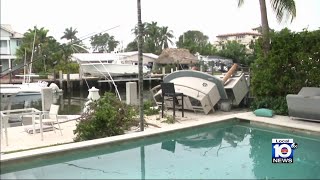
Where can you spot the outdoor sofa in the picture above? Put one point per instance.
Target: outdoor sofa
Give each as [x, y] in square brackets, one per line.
[305, 105]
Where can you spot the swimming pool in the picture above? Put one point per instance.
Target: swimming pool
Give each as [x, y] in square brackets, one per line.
[227, 150]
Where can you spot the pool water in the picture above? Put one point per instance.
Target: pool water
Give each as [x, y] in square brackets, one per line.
[228, 150]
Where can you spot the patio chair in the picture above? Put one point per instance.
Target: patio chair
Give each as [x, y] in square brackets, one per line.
[169, 94]
[51, 117]
[305, 105]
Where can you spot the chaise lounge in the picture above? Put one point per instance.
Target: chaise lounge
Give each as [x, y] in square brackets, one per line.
[305, 105]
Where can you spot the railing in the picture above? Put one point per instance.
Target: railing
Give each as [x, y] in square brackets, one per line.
[4, 120]
[4, 50]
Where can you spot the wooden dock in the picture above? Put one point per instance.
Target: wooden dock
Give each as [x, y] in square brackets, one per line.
[67, 83]
[129, 79]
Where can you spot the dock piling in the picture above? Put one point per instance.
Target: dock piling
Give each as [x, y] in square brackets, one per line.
[131, 93]
[61, 79]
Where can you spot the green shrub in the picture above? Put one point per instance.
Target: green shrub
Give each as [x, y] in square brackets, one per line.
[169, 119]
[71, 67]
[277, 104]
[293, 62]
[106, 117]
[148, 108]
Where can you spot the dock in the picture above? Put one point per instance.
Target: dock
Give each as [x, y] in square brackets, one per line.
[130, 79]
[70, 81]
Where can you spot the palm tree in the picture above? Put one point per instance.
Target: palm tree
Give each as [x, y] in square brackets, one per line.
[70, 34]
[140, 46]
[284, 9]
[135, 30]
[152, 37]
[166, 36]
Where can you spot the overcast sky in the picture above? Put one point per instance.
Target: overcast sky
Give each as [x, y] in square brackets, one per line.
[212, 17]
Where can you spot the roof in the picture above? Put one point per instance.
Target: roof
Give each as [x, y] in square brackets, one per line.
[8, 28]
[151, 55]
[93, 56]
[106, 56]
[257, 28]
[218, 58]
[239, 34]
[174, 55]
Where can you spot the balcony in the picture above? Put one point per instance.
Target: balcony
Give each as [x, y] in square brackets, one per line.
[4, 50]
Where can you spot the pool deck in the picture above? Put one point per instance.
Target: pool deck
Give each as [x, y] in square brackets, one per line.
[21, 140]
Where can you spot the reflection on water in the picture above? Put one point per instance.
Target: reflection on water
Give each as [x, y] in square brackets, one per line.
[218, 151]
[71, 102]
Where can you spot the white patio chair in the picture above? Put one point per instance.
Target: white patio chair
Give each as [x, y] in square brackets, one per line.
[51, 117]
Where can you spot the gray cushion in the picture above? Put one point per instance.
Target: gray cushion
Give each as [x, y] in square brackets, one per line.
[29, 129]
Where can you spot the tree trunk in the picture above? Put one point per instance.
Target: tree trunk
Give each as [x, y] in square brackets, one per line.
[265, 27]
[140, 46]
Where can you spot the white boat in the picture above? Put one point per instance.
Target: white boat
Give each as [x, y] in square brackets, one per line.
[107, 64]
[203, 91]
[26, 89]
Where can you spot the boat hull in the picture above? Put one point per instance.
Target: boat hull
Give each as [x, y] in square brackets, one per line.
[202, 92]
[104, 69]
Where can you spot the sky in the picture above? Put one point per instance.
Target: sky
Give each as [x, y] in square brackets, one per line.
[212, 17]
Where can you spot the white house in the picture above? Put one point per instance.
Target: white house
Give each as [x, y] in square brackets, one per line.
[132, 57]
[9, 42]
[244, 38]
[125, 57]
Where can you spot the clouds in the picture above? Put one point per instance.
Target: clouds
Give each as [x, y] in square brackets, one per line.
[212, 17]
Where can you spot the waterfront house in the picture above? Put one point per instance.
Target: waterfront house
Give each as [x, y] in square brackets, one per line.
[10, 41]
[245, 38]
[132, 57]
[124, 57]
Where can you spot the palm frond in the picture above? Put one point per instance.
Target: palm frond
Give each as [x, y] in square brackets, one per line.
[240, 3]
[284, 9]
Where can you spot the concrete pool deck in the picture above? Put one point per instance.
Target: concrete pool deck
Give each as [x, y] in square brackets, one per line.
[20, 140]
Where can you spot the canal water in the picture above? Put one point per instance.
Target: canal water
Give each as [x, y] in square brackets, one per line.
[72, 101]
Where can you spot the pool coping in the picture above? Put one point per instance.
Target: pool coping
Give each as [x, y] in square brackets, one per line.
[282, 121]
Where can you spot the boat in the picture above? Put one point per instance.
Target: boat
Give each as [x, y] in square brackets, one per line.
[107, 64]
[25, 89]
[204, 92]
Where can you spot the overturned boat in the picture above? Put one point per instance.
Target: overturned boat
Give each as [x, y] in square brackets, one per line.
[202, 91]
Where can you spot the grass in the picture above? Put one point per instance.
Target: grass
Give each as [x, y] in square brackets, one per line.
[169, 119]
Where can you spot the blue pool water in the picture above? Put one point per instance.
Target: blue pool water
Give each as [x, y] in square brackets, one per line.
[229, 150]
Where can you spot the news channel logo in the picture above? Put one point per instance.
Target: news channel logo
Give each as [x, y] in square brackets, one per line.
[283, 150]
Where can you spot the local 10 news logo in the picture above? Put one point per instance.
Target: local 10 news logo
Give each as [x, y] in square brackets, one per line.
[283, 150]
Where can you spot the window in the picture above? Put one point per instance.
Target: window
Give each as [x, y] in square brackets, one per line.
[4, 47]
[3, 44]
[18, 42]
[240, 37]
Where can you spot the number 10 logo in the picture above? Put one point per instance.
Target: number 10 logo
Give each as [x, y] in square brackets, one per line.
[282, 150]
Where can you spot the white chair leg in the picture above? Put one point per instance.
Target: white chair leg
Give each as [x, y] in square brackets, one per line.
[54, 129]
[59, 127]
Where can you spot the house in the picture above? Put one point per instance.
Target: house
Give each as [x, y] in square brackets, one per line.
[10, 41]
[217, 62]
[132, 57]
[125, 57]
[245, 38]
